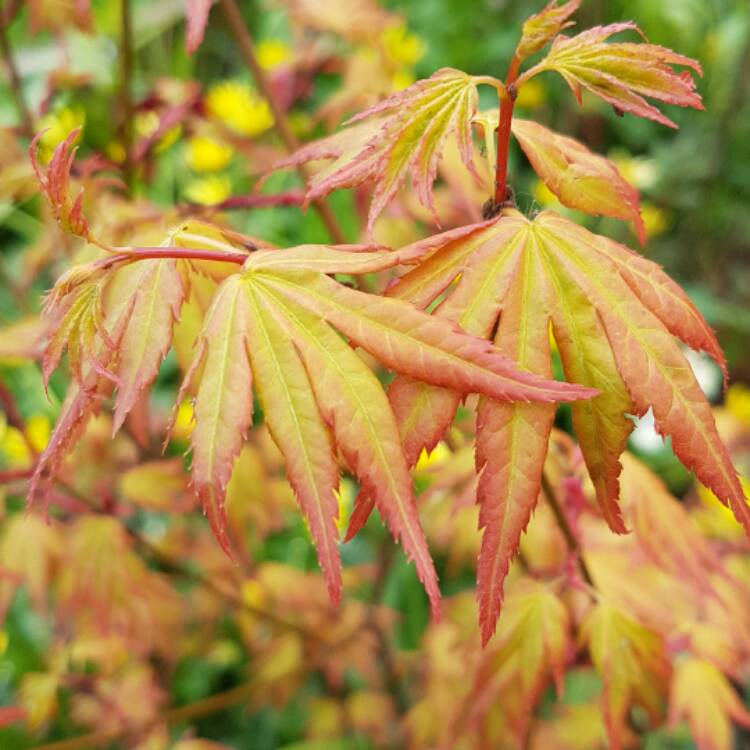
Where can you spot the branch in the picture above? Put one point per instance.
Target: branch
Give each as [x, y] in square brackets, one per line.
[562, 521]
[247, 51]
[505, 117]
[16, 88]
[126, 84]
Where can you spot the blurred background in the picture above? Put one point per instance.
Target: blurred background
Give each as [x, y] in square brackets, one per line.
[191, 139]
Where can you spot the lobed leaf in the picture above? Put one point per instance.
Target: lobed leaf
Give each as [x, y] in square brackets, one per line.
[540, 28]
[631, 661]
[613, 315]
[402, 135]
[578, 177]
[624, 74]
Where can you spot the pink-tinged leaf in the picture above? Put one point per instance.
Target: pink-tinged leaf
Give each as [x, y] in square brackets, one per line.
[631, 661]
[157, 299]
[622, 73]
[650, 362]
[224, 400]
[403, 135]
[704, 698]
[394, 331]
[352, 259]
[197, 19]
[296, 425]
[578, 177]
[353, 403]
[55, 184]
[601, 426]
[512, 440]
[664, 298]
[540, 28]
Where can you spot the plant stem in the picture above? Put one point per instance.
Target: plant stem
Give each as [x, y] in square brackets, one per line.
[505, 117]
[281, 123]
[14, 79]
[567, 531]
[131, 254]
[126, 90]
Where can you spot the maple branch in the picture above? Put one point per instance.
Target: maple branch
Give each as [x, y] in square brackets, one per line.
[14, 80]
[281, 123]
[505, 117]
[132, 254]
[562, 521]
[126, 82]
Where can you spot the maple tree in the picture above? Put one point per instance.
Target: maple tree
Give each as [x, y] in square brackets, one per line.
[422, 381]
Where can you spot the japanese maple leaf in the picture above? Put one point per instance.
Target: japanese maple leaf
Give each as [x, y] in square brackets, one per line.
[632, 663]
[278, 325]
[614, 316]
[624, 74]
[402, 135]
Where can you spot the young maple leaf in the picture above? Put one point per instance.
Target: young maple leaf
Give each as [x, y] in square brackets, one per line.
[55, 184]
[613, 315]
[540, 28]
[621, 73]
[580, 178]
[631, 661]
[534, 641]
[404, 134]
[279, 324]
[703, 697]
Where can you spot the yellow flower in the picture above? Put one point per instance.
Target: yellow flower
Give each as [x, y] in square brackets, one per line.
[14, 450]
[58, 126]
[639, 172]
[737, 402]
[252, 593]
[272, 52]
[402, 79]
[655, 219]
[239, 108]
[38, 430]
[543, 195]
[531, 95]
[402, 47]
[116, 152]
[3, 641]
[439, 454]
[184, 421]
[207, 191]
[147, 123]
[204, 154]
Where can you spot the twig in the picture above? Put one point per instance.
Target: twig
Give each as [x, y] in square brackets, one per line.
[27, 123]
[126, 91]
[247, 50]
[505, 117]
[562, 521]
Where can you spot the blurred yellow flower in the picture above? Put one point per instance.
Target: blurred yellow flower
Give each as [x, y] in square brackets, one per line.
[439, 454]
[58, 125]
[38, 695]
[116, 152]
[205, 154]
[272, 52]
[14, 450]
[402, 79]
[655, 219]
[3, 641]
[239, 107]
[543, 195]
[184, 421]
[637, 171]
[252, 593]
[207, 191]
[531, 95]
[737, 402]
[38, 429]
[402, 47]
[714, 518]
[147, 123]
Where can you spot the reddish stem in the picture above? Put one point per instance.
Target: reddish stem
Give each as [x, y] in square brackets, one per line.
[124, 255]
[507, 101]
